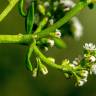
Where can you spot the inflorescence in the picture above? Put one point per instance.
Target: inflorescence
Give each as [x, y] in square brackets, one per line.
[46, 14]
[42, 14]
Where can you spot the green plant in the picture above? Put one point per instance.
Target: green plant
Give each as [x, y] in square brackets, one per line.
[46, 22]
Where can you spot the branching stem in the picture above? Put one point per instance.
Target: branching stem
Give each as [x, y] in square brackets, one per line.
[46, 32]
[81, 5]
[44, 59]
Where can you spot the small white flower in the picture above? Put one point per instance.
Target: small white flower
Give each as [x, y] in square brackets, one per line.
[68, 4]
[51, 42]
[84, 79]
[76, 28]
[58, 33]
[92, 59]
[84, 73]
[34, 74]
[89, 46]
[46, 4]
[56, 3]
[51, 21]
[75, 63]
[93, 69]
[46, 49]
[80, 83]
[44, 70]
[72, 65]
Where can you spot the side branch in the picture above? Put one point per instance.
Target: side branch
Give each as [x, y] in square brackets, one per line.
[10, 6]
[81, 5]
[44, 59]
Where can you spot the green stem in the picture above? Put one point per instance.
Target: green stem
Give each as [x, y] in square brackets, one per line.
[41, 24]
[10, 6]
[19, 39]
[44, 59]
[65, 19]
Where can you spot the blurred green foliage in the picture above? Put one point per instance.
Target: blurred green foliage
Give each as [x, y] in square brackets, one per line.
[15, 80]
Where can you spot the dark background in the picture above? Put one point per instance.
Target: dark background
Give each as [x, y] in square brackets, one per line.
[15, 80]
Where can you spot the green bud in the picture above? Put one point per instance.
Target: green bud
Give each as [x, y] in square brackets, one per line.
[66, 61]
[51, 59]
[41, 9]
[34, 73]
[59, 43]
[42, 67]
[66, 75]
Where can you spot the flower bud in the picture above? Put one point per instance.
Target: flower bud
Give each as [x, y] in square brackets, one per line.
[93, 69]
[51, 21]
[46, 4]
[43, 69]
[92, 59]
[51, 42]
[46, 49]
[34, 73]
[68, 4]
[51, 59]
[84, 73]
[80, 83]
[41, 9]
[58, 33]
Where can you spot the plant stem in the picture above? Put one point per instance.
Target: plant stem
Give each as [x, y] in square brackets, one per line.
[27, 38]
[10, 6]
[42, 24]
[81, 5]
[44, 59]
[19, 39]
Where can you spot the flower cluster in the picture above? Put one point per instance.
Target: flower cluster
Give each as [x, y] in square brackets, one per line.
[90, 47]
[82, 66]
[54, 11]
[88, 62]
[90, 55]
[82, 79]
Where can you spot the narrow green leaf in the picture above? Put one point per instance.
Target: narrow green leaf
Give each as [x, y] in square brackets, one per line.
[28, 56]
[59, 43]
[29, 21]
[21, 8]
